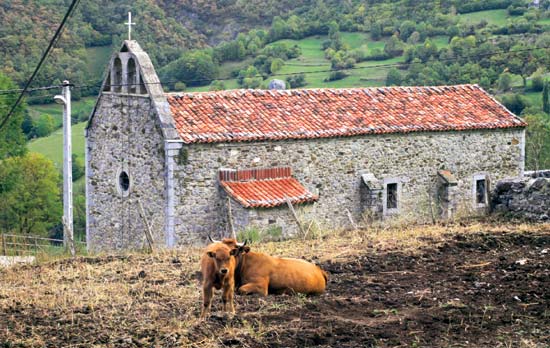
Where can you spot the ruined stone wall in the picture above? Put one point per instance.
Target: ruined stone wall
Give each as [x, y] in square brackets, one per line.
[124, 136]
[526, 197]
[333, 167]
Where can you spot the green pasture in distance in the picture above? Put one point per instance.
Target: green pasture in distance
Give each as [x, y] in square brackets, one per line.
[534, 98]
[56, 111]
[496, 17]
[52, 145]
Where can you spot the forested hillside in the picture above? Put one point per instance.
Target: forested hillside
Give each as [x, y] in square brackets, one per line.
[466, 46]
[166, 29]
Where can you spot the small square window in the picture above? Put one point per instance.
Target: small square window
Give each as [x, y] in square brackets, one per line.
[481, 191]
[391, 201]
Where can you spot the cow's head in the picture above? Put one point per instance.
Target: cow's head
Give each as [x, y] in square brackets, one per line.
[223, 257]
[236, 248]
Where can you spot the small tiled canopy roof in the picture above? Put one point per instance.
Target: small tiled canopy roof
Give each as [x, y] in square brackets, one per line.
[266, 187]
[251, 115]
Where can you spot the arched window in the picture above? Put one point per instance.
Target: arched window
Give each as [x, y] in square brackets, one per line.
[132, 87]
[117, 75]
[142, 89]
[107, 87]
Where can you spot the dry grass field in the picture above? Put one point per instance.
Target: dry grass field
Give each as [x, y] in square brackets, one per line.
[469, 284]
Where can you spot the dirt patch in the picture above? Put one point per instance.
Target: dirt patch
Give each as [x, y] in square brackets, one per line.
[460, 290]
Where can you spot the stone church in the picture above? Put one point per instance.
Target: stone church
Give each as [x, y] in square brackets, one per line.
[185, 165]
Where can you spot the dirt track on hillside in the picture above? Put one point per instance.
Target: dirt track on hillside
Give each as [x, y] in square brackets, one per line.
[477, 290]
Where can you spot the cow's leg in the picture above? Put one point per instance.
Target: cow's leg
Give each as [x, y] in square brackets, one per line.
[227, 298]
[258, 287]
[207, 294]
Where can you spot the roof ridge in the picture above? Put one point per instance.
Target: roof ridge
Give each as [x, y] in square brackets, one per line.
[274, 92]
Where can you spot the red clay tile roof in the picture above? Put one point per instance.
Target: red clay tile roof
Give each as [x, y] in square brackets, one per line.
[266, 187]
[248, 115]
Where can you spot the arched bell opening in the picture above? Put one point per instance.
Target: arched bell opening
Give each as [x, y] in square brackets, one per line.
[132, 74]
[117, 75]
[107, 86]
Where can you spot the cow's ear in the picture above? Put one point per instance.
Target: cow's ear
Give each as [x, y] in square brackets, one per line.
[245, 249]
[211, 254]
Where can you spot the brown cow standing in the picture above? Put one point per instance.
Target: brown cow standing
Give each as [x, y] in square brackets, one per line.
[218, 271]
[263, 274]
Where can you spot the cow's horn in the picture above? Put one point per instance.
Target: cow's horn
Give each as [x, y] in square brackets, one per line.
[212, 240]
[240, 245]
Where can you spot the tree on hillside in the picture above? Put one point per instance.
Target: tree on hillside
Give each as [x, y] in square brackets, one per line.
[12, 139]
[78, 168]
[195, 68]
[546, 97]
[515, 102]
[522, 62]
[537, 145]
[394, 77]
[406, 29]
[217, 85]
[394, 47]
[249, 78]
[504, 81]
[29, 195]
[44, 126]
[296, 81]
[276, 65]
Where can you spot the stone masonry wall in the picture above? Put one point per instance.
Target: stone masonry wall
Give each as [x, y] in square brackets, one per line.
[269, 221]
[124, 135]
[332, 168]
[527, 197]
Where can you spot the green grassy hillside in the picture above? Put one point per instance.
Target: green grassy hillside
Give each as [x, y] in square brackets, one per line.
[80, 107]
[496, 17]
[52, 146]
[313, 63]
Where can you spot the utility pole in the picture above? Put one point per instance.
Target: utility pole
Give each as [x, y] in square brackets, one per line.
[65, 99]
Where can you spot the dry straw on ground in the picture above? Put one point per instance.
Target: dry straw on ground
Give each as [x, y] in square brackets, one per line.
[441, 285]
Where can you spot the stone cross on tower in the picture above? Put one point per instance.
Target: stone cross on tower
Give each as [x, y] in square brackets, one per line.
[129, 24]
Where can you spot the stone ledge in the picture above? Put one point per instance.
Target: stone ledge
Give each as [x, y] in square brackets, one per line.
[7, 261]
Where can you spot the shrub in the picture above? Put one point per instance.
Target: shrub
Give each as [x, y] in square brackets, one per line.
[394, 77]
[44, 126]
[515, 103]
[516, 10]
[394, 47]
[180, 86]
[537, 83]
[336, 75]
[78, 167]
[216, 86]
[378, 54]
[504, 81]
[296, 81]
[252, 234]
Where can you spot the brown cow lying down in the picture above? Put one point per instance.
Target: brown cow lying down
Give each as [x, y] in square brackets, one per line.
[263, 274]
[218, 271]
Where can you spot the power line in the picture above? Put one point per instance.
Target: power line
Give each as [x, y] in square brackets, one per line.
[51, 44]
[29, 98]
[29, 90]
